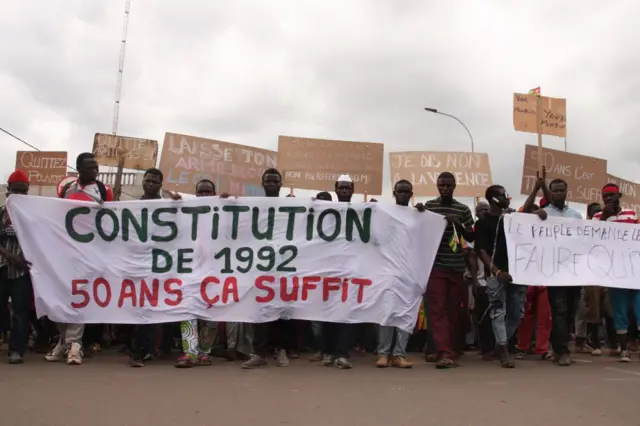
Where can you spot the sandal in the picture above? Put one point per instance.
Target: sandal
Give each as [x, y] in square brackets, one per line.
[431, 358]
[520, 355]
[507, 362]
[547, 356]
[445, 363]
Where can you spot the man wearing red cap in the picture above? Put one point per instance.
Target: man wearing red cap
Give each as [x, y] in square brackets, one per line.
[15, 281]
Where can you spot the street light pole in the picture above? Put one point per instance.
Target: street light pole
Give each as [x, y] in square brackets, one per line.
[435, 111]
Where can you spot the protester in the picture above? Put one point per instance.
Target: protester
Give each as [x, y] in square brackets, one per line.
[275, 335]
[392, 341]
[86, 188]
[15, 281]
[621, 298]
[506, 298]
[563, 300]
[445, 288]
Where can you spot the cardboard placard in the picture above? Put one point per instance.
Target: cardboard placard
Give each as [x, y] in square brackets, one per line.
[139, 154]
[585, 176]
[317, 164]
[553, 118]
[233, 168]
[44, 168]
[472, 171]
[630, 192]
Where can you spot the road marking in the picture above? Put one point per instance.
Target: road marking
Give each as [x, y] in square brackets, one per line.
[620, 370]
[582, 360]
[620, 379]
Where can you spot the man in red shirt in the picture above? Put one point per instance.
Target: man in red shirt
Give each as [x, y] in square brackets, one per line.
[621, 298]
[85, 188]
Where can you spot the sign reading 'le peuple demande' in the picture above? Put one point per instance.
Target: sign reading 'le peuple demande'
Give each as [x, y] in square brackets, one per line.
[553, 116]
[472, 171]
[249, 259]
[585, 176]
[236, 169]
[318, 163]
[572, 252]
[138, 154]
[44, 168]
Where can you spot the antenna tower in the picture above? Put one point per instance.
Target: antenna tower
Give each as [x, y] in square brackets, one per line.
[123, 47]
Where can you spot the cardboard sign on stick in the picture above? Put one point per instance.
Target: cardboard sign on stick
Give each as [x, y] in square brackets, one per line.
[139, 154]
[630, 192]
[553, 116]
[44, 168]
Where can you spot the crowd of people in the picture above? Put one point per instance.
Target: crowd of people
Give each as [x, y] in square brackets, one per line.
[470, 302]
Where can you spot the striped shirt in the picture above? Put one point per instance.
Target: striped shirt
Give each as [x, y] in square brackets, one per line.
[446, 257]
[9, 241]
[625, 216]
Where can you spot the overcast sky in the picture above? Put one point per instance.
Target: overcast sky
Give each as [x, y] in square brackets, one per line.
[245, 71]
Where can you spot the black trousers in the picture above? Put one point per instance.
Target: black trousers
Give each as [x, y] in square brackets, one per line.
[21, 294]
[486, 339]
[336, 338]
[268, 336]
[564, 303]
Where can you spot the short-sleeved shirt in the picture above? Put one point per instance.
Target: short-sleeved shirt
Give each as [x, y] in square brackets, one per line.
[625, 216]
[486, 240]
[90, 192]
[565, 212]
[446, 257]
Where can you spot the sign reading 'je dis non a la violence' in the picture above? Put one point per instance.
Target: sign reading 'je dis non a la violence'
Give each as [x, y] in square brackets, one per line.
[245, 259]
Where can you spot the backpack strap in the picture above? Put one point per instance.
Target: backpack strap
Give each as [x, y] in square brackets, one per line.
[102, 189]
[65, 188]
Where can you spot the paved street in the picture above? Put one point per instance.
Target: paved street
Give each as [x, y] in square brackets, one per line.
[104, 391]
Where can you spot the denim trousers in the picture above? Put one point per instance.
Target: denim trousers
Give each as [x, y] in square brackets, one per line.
[392, 341]
[506, 303]
[21, 294]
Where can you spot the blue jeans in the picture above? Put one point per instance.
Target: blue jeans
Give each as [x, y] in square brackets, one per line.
[621, 300]
[21, 294]
[386, 339]
[506, 307]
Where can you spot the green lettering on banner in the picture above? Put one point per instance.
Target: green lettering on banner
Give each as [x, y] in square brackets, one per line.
[363, 226]
[183, 260]
[114, 222]
[173, 228]
[291, 220]
[235, 211]
[156, 256]
[141, 226]
[68, 225]
[320, 226]
[194, 212]
[214, 223]
[255, 221]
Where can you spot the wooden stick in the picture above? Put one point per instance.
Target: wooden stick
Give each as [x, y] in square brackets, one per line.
[539, 114]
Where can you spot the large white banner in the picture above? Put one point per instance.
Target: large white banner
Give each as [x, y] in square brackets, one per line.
[572, 252]
[240, 259]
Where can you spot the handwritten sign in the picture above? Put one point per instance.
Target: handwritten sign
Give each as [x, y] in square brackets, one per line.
[44, 168]
[572, 252]
[236, 169]
[472, 171]
[139, 154]
[585, 176]
[630, 192]
[553, 118]
[318, 163]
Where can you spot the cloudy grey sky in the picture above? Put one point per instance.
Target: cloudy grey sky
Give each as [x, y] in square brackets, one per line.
[245, 71]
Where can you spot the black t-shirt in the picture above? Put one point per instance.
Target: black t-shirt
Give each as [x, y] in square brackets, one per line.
[486, 236]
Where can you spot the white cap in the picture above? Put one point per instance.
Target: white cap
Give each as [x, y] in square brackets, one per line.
[344, 178]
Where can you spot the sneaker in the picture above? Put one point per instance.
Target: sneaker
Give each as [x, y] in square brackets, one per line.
[583, 348]
[343, 364]
[147, 358]
[57, 353]
[74, 357]
[135, 362]
[383, 361]
[205, 360]
[15, 358]
[185, 361]
[254, 362]
[564, 360]
[400, 362]
[316, 357]
[520, 355]
[615, 352]
[328, 360]
[281, 358]
[624, 356]
[596, 352]
[294, 355]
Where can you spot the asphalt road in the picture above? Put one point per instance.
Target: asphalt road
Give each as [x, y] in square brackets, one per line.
[105, 391]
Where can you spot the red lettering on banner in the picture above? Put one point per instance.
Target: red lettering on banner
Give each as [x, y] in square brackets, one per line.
[362, 283]
[284, 295]
[127, 291]
[77, 290]
[329, 284]
[230, 288]
[150, 295]
[210, 301]
[173, 291]
[345, 289]
[260, 286]
[96, 296]
[309, 283]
